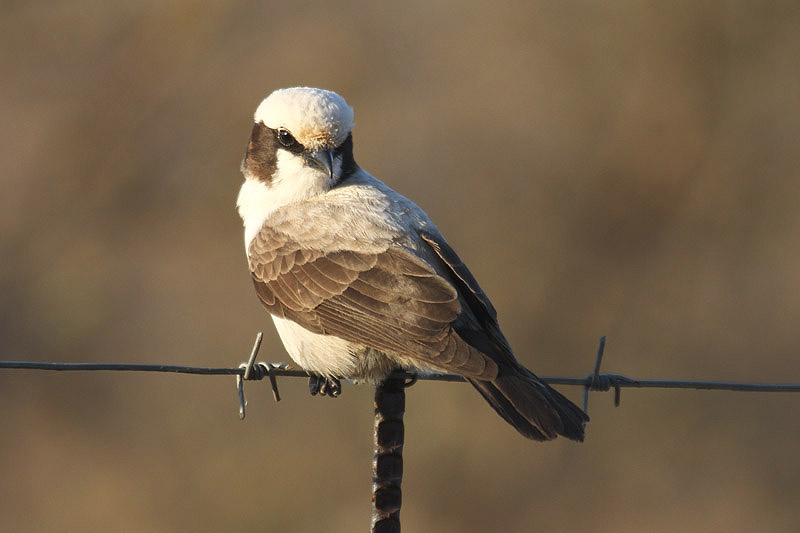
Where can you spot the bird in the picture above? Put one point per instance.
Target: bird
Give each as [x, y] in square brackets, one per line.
[358, 279]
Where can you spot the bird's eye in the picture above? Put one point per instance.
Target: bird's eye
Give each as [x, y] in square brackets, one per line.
[285, 137]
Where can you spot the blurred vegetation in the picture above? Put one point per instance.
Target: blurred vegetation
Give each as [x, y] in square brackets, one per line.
[620, 168]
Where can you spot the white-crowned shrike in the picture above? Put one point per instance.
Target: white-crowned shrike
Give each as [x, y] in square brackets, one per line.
[358, 279]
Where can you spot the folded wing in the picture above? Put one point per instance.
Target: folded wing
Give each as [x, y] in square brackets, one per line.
[390, 300]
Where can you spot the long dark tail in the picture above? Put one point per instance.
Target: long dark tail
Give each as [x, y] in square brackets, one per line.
[534, 408]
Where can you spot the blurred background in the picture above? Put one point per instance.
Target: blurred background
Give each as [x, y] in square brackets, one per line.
[625, 168]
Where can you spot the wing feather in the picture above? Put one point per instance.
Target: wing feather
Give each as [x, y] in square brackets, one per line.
[390, 315]
[428, 289]
[333, 282]
[316, 285]
[334, 271]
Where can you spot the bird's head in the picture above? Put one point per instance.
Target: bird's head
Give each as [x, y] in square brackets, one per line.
[301, 144]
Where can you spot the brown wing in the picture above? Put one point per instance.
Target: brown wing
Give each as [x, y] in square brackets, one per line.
[391, 300]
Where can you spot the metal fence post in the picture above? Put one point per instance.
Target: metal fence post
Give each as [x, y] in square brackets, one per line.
[387, 461]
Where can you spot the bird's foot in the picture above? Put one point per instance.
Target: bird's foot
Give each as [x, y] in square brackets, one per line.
[324, 386]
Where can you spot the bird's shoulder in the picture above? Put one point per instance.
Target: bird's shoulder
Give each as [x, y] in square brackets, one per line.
[362, 215]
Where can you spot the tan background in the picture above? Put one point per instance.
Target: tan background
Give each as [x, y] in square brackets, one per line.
[620, 168]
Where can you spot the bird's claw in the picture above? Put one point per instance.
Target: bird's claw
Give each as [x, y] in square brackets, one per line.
[324, 386]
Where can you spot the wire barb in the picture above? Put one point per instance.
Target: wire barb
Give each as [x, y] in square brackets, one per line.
[242, 400]
[273, 381]
[257, 371]
[249, 368]
[253, 354]
[594, 381]
[603, 382]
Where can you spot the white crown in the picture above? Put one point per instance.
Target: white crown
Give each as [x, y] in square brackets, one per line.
[317, 118]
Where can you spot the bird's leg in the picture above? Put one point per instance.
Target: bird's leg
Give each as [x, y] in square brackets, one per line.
[324, 386]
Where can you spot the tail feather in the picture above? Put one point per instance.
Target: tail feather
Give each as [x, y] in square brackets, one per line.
[535, 409]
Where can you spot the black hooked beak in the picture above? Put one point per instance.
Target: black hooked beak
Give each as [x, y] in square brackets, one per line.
[323, 160]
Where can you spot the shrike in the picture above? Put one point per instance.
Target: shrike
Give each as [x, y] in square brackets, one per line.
[358, 279]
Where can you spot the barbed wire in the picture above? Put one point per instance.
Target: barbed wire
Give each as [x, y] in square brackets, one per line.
[252, 370]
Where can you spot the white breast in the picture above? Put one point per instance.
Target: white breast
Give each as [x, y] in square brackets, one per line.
[254, 206]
